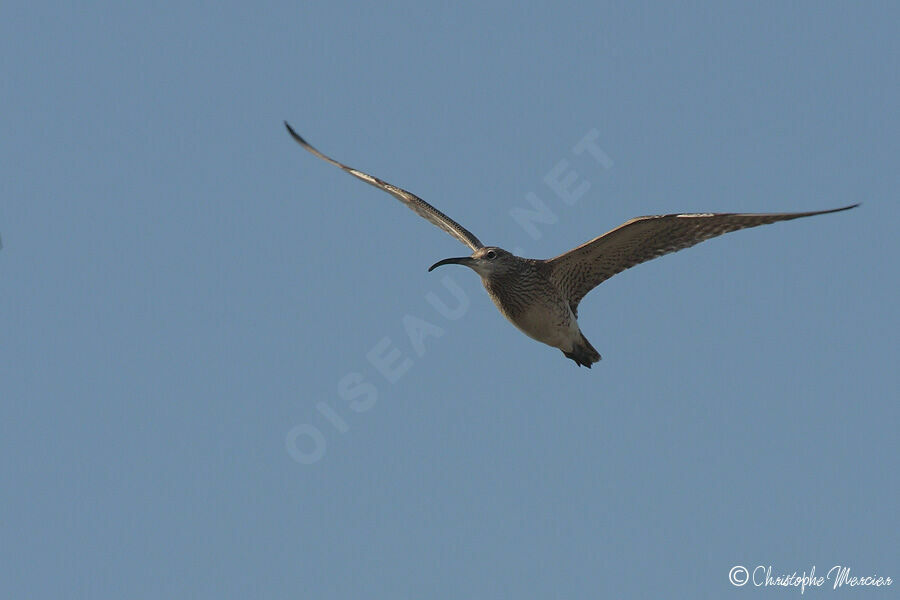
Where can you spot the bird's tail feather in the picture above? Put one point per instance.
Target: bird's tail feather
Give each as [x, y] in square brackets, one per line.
[583, 353]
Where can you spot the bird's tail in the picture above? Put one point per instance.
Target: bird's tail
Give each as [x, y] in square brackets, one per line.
[583, 353]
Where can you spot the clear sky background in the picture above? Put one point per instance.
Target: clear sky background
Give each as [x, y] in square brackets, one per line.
[188, 300]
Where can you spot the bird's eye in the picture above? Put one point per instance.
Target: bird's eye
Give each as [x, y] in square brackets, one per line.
[491, 255]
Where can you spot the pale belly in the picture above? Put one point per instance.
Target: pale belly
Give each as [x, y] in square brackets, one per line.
[553, 325]
[536, 308]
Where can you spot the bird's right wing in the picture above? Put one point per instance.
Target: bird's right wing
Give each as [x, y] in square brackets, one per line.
[580, 270]
[422, 208]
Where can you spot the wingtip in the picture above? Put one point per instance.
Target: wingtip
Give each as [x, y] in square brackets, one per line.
[833, 210]
[294, 134]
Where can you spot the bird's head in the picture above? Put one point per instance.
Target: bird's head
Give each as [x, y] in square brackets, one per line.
[486, 261]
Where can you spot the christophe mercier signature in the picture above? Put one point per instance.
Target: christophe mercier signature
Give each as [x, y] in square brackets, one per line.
[836, 577]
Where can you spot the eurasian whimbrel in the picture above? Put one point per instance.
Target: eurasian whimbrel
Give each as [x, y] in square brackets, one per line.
[540, 297]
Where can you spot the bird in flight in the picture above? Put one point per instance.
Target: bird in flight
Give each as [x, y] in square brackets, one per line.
[540, 297]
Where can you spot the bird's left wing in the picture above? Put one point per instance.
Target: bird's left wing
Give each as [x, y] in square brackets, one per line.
[422, 208]
[580, 270]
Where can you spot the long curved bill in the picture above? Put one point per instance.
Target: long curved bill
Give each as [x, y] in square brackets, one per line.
[462, 260]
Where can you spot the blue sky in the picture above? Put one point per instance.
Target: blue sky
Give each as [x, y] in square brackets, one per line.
[191, 303]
